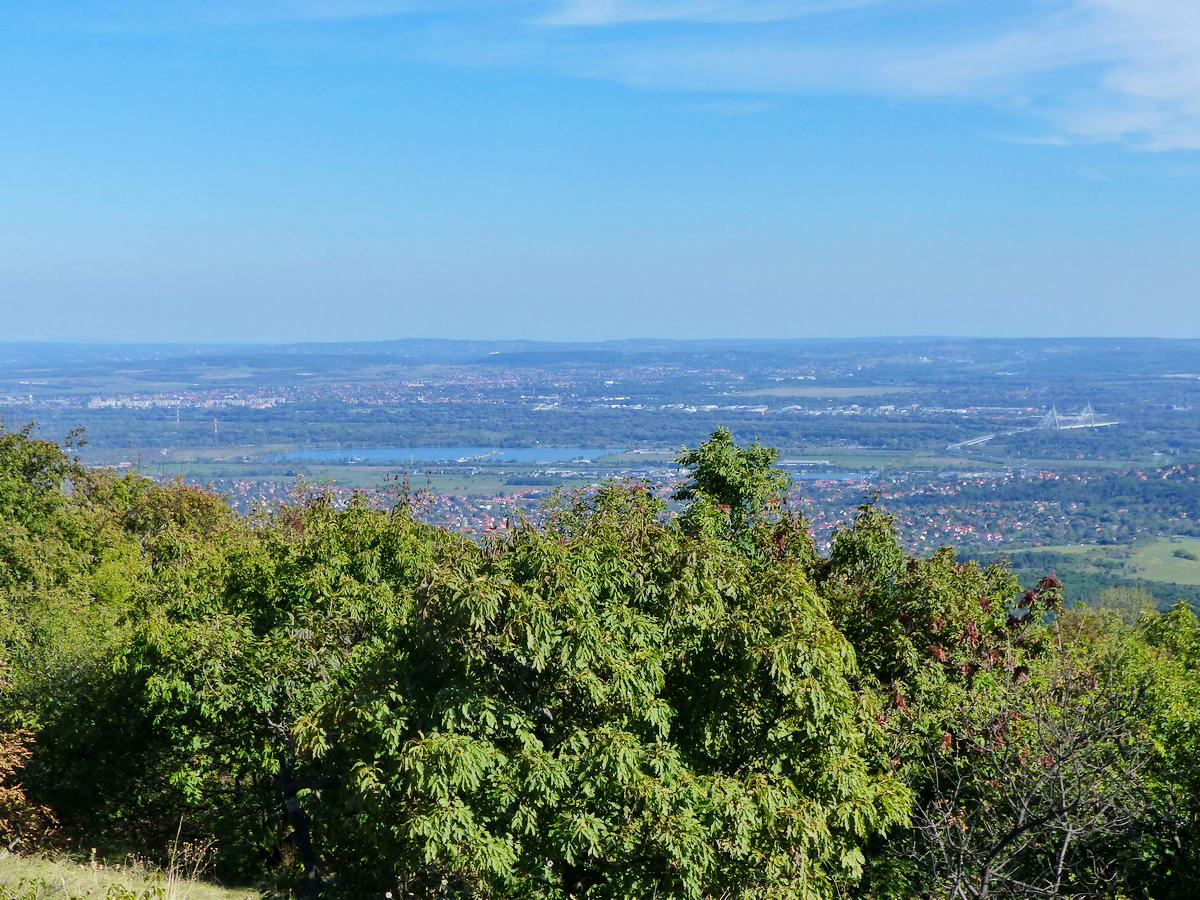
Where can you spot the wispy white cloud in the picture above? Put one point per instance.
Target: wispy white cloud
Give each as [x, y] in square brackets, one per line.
[1096, 70]
[1123, 71]
[618, 12]
[1084, 70]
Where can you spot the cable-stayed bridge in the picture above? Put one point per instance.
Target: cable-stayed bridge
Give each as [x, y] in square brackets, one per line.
[1085, 418]
[1053, 420]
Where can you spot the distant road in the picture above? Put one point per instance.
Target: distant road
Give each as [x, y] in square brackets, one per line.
[983, 439]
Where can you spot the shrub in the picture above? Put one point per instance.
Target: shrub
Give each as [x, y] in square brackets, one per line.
[23, 824]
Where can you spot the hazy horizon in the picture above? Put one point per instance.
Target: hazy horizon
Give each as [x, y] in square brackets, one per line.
[649, 339]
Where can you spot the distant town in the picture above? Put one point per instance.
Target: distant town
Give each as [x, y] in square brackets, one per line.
[987, 446]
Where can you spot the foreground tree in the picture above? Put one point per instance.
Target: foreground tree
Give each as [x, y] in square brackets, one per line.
[618, 703]
[1036, 784]
[1129, 603]
[23, 824]
[733, 484]
[67, 569]
[610, 706]
[1034, 741]
[1164, 855]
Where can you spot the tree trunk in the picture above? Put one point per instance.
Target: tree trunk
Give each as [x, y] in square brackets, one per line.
[301, 831]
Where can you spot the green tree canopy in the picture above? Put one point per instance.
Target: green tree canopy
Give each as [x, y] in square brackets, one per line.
[617, 702]
[737, 482]
[610, 706]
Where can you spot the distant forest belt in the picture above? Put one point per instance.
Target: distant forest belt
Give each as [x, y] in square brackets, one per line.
[832, 393]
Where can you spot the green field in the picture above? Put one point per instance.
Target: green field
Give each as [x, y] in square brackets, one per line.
[861, 458]
[1152, 561]
[1158, 561]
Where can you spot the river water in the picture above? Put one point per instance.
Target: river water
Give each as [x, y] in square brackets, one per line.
[450, 454]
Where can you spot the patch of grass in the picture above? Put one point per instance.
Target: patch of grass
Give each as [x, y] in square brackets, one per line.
[1157, 561]
[864, 458]
[54, 879]
[1151, 561]
[1095, 550]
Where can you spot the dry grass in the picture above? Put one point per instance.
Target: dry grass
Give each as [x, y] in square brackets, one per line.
[92, 879]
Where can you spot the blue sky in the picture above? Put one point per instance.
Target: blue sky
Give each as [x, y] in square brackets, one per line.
[572, 169]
